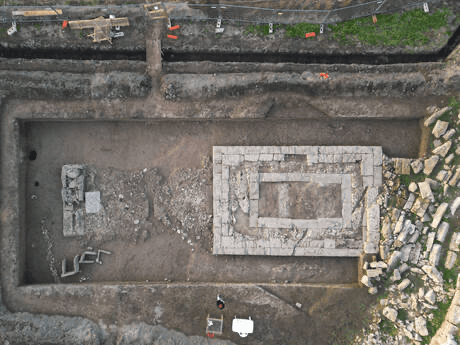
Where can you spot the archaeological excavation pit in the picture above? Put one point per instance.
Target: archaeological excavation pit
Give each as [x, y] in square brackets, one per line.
[156, 199]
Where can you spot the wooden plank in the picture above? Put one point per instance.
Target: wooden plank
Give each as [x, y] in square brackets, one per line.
[47, 12]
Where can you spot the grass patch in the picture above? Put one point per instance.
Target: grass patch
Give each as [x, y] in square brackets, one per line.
[387, 327]
[408, 29]
[438, 317]
[402, 314]
[299, 30]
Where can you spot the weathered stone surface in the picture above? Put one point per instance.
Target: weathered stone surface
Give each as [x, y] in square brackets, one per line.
[396, 275]
[443, 149]
[365, 281]
[386, 228]
[439, 214]
[412, 187]
[420, 326]
[449, 158]
[455, 242]
[442, 231]
[404, 284]
[417, 166]
[454, 205]
[390, 313]
[442, 176]
[425, 190]
[430, 164]
[402, 166]
[433, 273]
[454, 179]
[449, 134]
[430, 240]
[405, 252]
[440, 128]
[445, 334]
[409, 202]
[92, 202]
[400, 223]
[450, 259]
[430, 120]
[394, 259]
[430, 297]
[453, 314]
[435, 254]
[420, 206]
[373, 290]
[378, 264]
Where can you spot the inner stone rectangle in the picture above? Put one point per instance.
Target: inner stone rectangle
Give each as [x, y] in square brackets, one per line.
[300, 200]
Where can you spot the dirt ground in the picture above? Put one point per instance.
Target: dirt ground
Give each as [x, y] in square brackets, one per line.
[171, 146]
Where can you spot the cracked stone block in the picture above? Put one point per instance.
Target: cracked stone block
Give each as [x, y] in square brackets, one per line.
[430, 164]
[442, 232]
[435, 255]
[440, 128]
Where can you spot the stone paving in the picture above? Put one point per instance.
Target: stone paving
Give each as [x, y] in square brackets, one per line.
[239, 172]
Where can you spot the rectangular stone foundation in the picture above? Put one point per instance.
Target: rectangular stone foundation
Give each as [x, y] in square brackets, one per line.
[353, 172]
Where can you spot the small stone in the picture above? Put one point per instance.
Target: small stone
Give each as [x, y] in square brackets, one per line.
[409, 202]
[420, 206]
[372, 290]
[443, 149]
[420, 326]
[404, 284]
[454, 179]
[442, 176]
[412, 187]
[430, 163]
[298, 305]
[136, 221]
[403, 268]
[449, 158]
[430, 240]
[430, 297]
[449, 134]
[437, 143]
[396, 275]
[417, 166]
[378, 264]
[425, 191]
[390, 313]
[365, 280]
[374, 272]
[440, 128]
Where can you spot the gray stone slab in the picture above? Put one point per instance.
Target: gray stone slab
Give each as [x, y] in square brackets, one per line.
[93, 202]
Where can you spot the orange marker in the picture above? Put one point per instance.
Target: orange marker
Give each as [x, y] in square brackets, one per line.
[174, 27]
[324, 75]
[374, 19]
[64, 24]
[173, 37]
[310, 34]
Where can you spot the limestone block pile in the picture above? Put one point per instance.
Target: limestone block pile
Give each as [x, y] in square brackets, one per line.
[418, 241]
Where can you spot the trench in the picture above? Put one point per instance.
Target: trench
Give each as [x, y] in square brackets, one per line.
[172, 55]
[170, 145]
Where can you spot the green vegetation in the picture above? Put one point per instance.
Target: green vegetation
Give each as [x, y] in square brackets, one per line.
[37, 26]
[387, 327]
[402, 314]
[438, 317]
[408, 29]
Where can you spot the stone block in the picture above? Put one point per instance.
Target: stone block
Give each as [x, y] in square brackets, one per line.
[442, 232]
[425, 190]
[410, 202]
[266, 157]
[455, 242]
[251, 157]
[417, 166]
[439, 214]
[454, 179]
[390, 313]
[367, 165]
[435, 255]
[443, 149]
[430, 164]
[440, 128]
[377, 155]
[454, 205]
[404, 284]
[329, 243]
[402, 166]
[431, 119]
[420, 206]
[433, 273]
[394, 259]
[377, 176]
[451, 258]
[368, 181]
